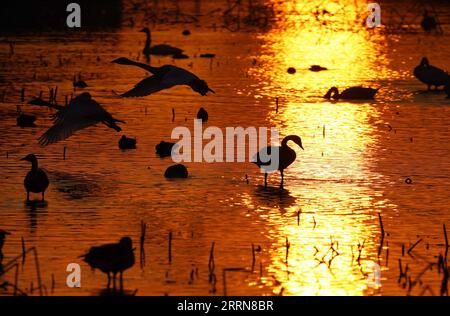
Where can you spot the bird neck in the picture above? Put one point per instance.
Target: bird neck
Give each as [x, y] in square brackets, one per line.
[425, 62]
[286, 139]
[148, 39]
[332, 93]
[34, 165]
[143, 66]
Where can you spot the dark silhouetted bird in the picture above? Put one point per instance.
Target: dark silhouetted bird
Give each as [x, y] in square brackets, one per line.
[3, 234]
[26, 120]
[82, 112]
[164, 149]
[202, 115]
[286, 156]
[431, 75]
[353, 93]
[36, 180]
[161, 49]
[176, 171]
[112, 259]
[428, 23]
[163, 77]
[317, 68]
[127, 143]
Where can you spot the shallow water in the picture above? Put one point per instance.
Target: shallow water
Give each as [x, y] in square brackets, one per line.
[356, 159]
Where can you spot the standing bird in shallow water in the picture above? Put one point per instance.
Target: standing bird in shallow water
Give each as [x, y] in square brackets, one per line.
[352, 93]
[286, 156]
[82, 112]
[164, 77]
[36, 180]
[161, 50]
[112, 259]
[431, 75]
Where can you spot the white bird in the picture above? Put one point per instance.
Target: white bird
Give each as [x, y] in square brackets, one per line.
[161, 49]
[164, 77]
[80, 113]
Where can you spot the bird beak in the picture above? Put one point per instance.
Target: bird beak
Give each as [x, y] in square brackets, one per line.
[301, 146]
[209, 89]
[22, 159]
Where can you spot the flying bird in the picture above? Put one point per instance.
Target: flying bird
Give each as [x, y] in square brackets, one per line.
[80, 113]
[352, 93]
[36, 180]
[161, 49]
[111, 259]
[286, 156]
[431, 75]
[163, 77]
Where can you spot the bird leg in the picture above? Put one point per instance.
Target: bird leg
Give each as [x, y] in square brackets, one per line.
[109, 281]
[43, 198]
[121, 280]
[265, 180]
[114, 281]
[282, 179]
[28, 196]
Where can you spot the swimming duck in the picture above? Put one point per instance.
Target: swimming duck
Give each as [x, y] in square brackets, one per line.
[176, 171]
[317, 68]
[82, 112]
[431, 75]
[36, 180]
[111, 259]
[163, 77]
[353, 93]
[164, 149]
[286, 157]
[202, 115]
[127, 143]
[161, 49]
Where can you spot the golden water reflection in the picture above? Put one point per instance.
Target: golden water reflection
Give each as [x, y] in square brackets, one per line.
[336, 204]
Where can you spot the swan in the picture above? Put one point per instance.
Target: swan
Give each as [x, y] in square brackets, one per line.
[127, 143]
[352, 93]
[36, 180]
[286, 157]
[161, 49]
[163, 77]
[176, 171]
[82, 112]
[431, 75]
[111, 258]
[202, 115]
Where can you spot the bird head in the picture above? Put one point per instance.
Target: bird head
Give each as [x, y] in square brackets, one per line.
[30, 158]
[424, 62]
[126, 242]
[201, 87]
[122, 61]
[296, 139]
[145, 30]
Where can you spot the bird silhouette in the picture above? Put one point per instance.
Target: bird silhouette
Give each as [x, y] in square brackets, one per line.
[26, 120]
[36, 180]
[163, 77]
[286, 156]
[352, 93]
[317, 68]
[127, 143]
[428, 22]
[3, 234]
[111, 259]
[161, 49]
[431, 75]
[164, 149]
[82, 112]
[176, 171]
[202, 115]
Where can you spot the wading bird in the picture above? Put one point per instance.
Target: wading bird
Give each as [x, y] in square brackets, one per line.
[111, 259]
[163, 77]
[352, 93]
[36, 180]
[286, 156]
[82, 112]
[431, 75]
[161, 49]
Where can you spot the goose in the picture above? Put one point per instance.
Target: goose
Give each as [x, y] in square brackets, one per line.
[352, 93]
[127, 143]
[163, 77]
[202, 115]
[111, 259]
[82, 112]
[431, 75]
[286, 157]
[176, 171]
[164, 149]
[161, 49]
[36, 180]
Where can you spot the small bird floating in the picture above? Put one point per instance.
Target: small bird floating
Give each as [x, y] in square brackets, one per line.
[36, 180]
[291, 70]
[286, 156]
[431, 75]
[317, 68]
[353, 93]
[112, 259]
[78, 83]
[164, 149]
[127, 143]
[26, 120]
[163, 77]
[176, 171]
[202, 115]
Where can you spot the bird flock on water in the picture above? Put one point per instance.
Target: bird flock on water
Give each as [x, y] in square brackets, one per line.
[83, 112]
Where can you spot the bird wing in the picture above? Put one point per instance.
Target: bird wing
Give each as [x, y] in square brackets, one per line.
[177, 76]
[148, 86]
[61, 131]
